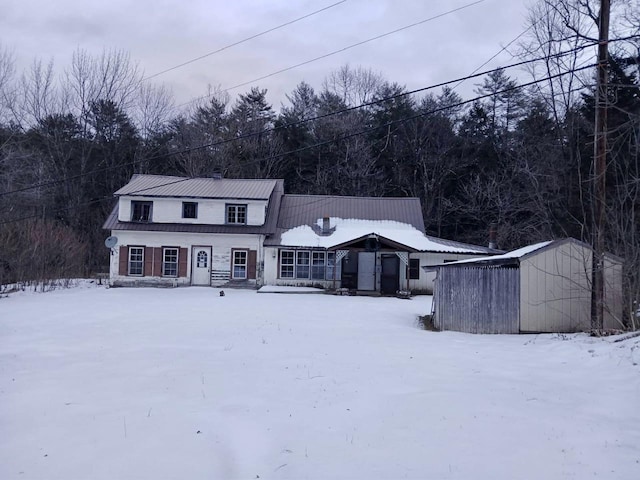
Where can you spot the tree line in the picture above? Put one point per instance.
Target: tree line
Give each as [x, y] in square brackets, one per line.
[518, 158]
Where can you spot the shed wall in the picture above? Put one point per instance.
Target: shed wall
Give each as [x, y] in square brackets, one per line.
[477, 299]
[556, 289]
[613, 296]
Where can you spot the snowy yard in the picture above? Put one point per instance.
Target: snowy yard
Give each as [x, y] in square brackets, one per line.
[102, 383]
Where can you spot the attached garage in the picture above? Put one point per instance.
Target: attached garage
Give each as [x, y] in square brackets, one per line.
[544, 287]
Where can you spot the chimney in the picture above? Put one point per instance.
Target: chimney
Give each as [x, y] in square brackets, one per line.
[326, 225]
[493, 235]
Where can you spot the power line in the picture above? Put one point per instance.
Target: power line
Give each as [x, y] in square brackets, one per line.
[348, 47]
[289, 125]
[243, 40]
[497, 53]
[343, 137]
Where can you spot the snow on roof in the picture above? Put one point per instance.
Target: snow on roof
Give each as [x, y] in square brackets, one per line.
[519, 253]
[345, 230]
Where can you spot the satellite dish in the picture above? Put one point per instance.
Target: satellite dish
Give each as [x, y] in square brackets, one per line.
[111, 242]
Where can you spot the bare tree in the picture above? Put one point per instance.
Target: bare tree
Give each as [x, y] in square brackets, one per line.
[353, 86]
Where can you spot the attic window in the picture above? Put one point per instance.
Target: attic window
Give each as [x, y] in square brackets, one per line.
[141, 211]
[236, 214]
[189, 210]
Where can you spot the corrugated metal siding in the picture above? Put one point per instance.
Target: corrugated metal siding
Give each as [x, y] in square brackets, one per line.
[160, 185]
[477, 299]
[555, 289]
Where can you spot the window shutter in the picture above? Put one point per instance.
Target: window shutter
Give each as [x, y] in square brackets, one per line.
[157, 262]
[123, 260]
[251, 267]
[148, 261]
[182, 262]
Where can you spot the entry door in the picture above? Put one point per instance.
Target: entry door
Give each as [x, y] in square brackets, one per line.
[366, 271]
[390, 277]
[201, 266]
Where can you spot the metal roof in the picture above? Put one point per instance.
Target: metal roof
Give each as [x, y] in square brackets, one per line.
[166, 186]
[298, 210]
[307, 209]
[269, 227]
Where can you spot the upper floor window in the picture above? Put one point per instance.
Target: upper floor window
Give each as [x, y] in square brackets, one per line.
[236, 214]
[189, 210]
[141, 211]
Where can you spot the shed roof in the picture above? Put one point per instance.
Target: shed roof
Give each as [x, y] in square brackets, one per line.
[514, 257]
[168, 186]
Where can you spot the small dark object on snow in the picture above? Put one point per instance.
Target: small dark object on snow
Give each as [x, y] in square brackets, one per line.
[222, 293]
[198, 432]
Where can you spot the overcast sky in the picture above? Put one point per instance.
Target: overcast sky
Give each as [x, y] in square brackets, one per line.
[161, 34]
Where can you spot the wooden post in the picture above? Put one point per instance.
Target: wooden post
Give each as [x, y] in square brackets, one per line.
[600, 170]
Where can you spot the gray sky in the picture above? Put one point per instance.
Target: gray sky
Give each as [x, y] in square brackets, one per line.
[160, 34]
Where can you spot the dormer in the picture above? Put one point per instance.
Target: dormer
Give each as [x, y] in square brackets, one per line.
[205, 201]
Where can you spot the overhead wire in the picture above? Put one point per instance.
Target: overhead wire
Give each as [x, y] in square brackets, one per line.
[335, 52]
[340, 138]
[252, 37]
[285, 126]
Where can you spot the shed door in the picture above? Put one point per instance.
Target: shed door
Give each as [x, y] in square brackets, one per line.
[201, 266]
[366, 271]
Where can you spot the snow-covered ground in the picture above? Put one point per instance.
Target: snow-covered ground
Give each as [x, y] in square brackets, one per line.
[182, 383]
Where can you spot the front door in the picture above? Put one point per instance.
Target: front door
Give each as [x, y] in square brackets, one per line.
[367, 271]
[201, 266]
[390, 276]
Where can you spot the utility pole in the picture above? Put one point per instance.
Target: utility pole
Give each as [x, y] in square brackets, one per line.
[600, 169]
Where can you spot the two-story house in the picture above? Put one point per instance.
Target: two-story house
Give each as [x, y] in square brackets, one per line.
[191, 231]
[222, 232]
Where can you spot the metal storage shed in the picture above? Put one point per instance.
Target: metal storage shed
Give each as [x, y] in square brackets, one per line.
[544, 287]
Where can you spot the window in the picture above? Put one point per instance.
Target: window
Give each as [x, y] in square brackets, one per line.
[317, 265]
[287, 261]
[240, 264]
[414, 269]
[189, 210]
[170, 262]
[302, 264]
[237, 214]
[136, 260]
[202, 259]
[141, 211]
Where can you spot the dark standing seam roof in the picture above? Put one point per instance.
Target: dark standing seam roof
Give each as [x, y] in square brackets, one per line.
[297, 210]
[268, 228]
[166, 186]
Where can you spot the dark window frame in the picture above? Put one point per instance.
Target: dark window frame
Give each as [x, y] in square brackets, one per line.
[189, 209]
[141, 211]
[414, 269]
